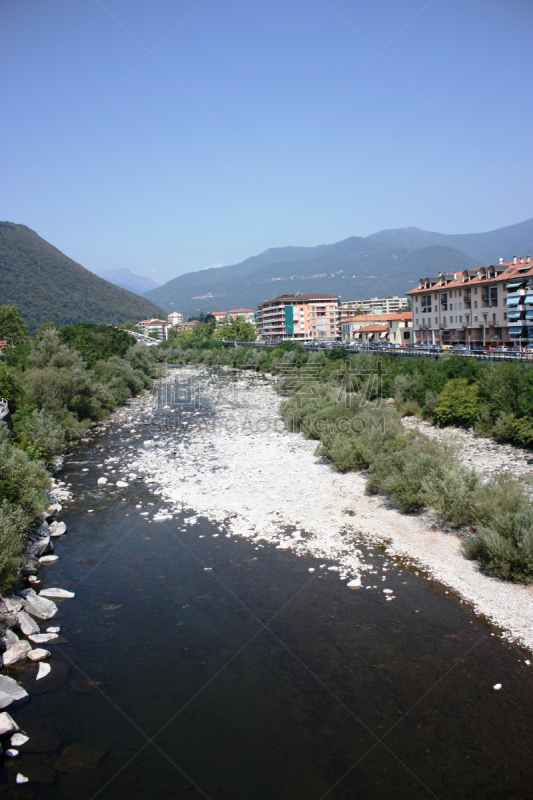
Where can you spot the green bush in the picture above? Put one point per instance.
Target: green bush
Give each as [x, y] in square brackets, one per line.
[458, 403]
[41, 436]
[503, 543]
[15, 524]
[21, 480]
[451, 491]
[517, 431]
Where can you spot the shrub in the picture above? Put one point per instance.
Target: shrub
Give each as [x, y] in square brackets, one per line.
[405, 466]
[41, 436]
[452, 491]
[518, 431]
[21, 480]
[458, 403]
[504, 542]
[15, 524]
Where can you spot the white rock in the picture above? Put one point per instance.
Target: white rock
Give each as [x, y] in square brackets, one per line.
[56, 629]
[53, 592]
[18, 739]
[101, 481]
[528, 663]
[122, 484]
[33, 579]
[387, 591]
[11, 752]
[38, 654]
[43, 671]
[16, 652]
[41, 638]
[21, 778]
[47, 559]
[354, 584]
[7, 724]
[10, 638]
[38, 606]
[13, 604]
[10, 691]
[311, 569]
[497, 687]
[57, 529]
[27, 624]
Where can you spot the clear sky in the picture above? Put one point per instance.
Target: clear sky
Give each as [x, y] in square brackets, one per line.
[169, 136]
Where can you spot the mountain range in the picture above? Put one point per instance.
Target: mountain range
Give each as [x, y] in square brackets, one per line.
[385, 263]
[128, 280]
[47, 286]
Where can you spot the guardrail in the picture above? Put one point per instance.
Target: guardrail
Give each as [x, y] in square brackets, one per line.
[397, 351]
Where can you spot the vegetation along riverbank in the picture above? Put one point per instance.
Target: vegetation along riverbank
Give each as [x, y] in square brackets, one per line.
[353, 406]
[57, 384]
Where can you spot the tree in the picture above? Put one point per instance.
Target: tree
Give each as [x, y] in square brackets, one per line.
[12, 326]
[238, 329]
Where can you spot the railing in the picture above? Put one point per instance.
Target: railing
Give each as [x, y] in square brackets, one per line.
[397, 351]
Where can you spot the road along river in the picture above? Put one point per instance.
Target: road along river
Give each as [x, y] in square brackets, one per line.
[215, 648]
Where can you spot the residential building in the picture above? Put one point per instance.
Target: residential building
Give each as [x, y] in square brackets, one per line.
[488, 305]
[220, 316]
[302, 317]
[247, 313]
[158, 328]
[376, 305]
[391, 328]
[175, 319]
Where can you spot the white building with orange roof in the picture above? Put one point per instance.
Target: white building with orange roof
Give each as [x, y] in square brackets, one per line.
[397, 328]
[488, 305]
[158, 328]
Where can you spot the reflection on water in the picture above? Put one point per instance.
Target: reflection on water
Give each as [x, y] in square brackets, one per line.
[195, 665]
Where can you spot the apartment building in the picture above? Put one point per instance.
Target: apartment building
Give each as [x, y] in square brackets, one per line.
[158, 328]
[488, 305]
[247, 314]
[387, 328]
[175, 319]
[302, 317]
[376, 305]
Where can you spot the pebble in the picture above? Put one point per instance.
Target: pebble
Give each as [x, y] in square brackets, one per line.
[101, 481]
[497, 687]
[18, 739]
[21, 778]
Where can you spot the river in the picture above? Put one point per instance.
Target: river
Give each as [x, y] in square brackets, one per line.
[197, 662]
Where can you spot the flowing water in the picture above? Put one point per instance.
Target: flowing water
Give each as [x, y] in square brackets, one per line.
[194, 665]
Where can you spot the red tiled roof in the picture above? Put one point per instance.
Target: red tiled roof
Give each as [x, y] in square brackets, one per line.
[407, 315]
[373, 329]
[510, 271]
[235, 310]
[300, 298]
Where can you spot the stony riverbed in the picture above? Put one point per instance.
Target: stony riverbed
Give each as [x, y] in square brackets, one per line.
[243, 468]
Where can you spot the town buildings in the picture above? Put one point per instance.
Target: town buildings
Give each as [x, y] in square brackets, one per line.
[488, 305]
[302, 317]
[376, 305]
[221, 317]
[175, 319]
[374, 328]
[158, 328]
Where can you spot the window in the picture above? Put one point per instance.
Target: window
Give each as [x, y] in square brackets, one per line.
[460, 306]
[468, 319]
[475, 290]
[460, 319]
[475, 317]
[475, 302]
[460, 292]
[444, 320]
[505, 314]
[436, 320]
[417, 322]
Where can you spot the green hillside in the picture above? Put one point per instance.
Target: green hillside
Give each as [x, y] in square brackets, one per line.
[47, 286]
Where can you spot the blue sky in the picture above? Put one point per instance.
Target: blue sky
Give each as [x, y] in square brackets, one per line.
[259, 124]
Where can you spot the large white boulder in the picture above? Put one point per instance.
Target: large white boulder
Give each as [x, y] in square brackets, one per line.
[26, 623]
[7, 724]
[10, 691]
[38, 606]
[17, 652]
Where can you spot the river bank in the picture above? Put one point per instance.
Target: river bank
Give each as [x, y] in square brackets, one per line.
[241, 465]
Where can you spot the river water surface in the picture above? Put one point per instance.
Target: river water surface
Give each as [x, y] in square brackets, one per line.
[199, 665]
